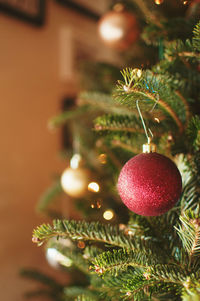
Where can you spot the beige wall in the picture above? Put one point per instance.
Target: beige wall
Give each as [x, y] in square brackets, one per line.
[31, 88]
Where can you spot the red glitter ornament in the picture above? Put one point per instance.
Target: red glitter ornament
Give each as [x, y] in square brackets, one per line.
[149, 184]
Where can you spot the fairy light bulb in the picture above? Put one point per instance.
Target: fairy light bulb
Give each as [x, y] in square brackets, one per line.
[108, 214]
[102, 158]
[93, 187]
[157, 119]
[158, 2]
[96, 204]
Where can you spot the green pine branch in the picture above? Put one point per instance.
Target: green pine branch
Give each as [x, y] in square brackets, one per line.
[115, 122]
[150, 89]
[160, 228]
[75, 257]
[103, 102]
[119, 260]
[81, 230]
[189, 232]
[134, 284]
[49, 196]
[52, 288]
[190, 195]
[168, 273]
[68, 115]
[80, 292]
[180, 49]
[193, 132]
[83, 297]
[196, 37]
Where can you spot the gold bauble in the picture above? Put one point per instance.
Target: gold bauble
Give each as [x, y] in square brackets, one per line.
[118, 29]
[75, 181]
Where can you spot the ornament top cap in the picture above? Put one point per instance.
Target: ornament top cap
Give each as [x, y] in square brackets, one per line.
[118, 7]
[75, 161]
[149, 147]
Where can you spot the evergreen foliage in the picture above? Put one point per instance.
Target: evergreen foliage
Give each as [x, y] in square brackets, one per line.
[148, 258]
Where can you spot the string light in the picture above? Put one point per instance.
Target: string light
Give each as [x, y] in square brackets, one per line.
[157, 120]
[102, 158]
[108, 214]
[158, 2]
[93, 187]
[96, 204]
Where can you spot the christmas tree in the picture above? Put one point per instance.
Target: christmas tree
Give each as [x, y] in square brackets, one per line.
[154, 253]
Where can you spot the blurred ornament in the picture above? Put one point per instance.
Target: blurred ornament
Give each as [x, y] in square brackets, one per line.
[75, 179]
[158, 2]
[96, 204]
[149, 184]
[108, 214]
[93, 187]
[56, 259]
[118, 28]
[102, 158]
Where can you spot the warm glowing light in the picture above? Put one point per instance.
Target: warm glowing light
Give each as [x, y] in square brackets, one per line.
[110, 30]
[185, 2]
[157, 120]
[169, 138]
[94, 187]
[96, 204]
[81, 245]
[158, 2]
[55, 258]
[108, 214]
[102, 158]
[75, 161]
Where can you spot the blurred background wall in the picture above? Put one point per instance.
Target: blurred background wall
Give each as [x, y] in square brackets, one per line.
[36, 72]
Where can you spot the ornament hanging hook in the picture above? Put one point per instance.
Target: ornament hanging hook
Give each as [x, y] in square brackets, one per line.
[143, 123]
[149, 146]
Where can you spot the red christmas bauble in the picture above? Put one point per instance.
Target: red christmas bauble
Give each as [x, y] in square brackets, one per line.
[149, 184]
[118, 29]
